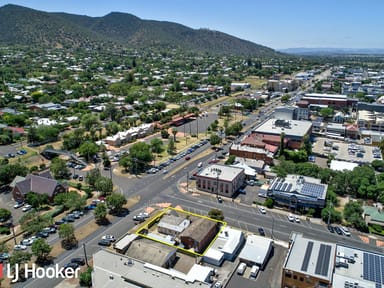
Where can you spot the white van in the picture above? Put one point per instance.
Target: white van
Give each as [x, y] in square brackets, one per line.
[254, 271]
[241, 268]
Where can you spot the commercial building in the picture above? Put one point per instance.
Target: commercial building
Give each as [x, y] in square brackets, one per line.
[332, 100]
[313, 263]
[256, 251]
[225, 247]
[220, 179]
[294, 131]
[199, 234]
[172, 225]
[295, 191]
[309, 263]
[119, 271]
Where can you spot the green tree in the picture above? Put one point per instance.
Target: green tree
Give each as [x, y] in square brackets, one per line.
[171, 148]
[164, 134]
[59, 168]
[285, 98]
[326, 112]
[333, 215]
[116, 202]
[86, 277]
[100, 213]
[216, 214]
[174, 132]
[20, 257]
[92, 177]
[67, 234]
[4, 214]
[138, 159]
[41, 249]
[157, 145]
[215, 140]
[269, 203]
[88, 121]
[88, 150]
[71, 200]
[36, 200]
[104, 185]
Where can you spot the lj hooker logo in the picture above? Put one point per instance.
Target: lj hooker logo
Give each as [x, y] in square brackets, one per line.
[34, 272]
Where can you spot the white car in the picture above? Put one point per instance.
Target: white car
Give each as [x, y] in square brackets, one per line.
[27, 208]
[297, 219]
[18, 205]
[291, 218]
[19, 247]
[262, 210]
[111, 238]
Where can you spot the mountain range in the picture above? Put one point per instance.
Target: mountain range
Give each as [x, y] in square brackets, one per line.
[333, 51]
[24, 26]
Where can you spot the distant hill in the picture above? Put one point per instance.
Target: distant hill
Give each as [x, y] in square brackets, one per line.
[25, 26]
[333, 51]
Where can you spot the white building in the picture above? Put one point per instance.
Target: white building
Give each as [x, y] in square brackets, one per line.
[256, 251]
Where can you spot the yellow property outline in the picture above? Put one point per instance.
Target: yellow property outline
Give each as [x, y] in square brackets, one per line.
[152, 220]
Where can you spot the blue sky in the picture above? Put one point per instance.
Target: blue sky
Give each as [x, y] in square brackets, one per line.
[273, 23]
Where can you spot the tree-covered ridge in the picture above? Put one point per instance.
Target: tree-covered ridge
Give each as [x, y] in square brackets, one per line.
[24, 26]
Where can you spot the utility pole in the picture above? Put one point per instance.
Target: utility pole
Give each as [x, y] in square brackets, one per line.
[85, 255]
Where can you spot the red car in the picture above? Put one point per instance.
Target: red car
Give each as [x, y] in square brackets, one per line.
[187, 158]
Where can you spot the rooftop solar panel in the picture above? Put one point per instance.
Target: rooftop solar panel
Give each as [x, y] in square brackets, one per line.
[288, 188]
[322, 264]
[307, 256]
[284, 186]
[312, 190]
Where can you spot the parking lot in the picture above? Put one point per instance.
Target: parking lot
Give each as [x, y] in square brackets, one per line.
[344, 151]
[269, 277]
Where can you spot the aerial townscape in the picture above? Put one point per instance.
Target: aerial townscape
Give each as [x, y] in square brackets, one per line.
[144, 153]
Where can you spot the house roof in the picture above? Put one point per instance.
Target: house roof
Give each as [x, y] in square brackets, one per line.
[198, 229]
[41, 184]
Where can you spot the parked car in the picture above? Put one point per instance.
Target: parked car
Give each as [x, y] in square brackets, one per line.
[18, 205]
[4, 256]
[297, 219]
[331, 229]
[187, 158]
[345, 231]
[26, 242]
[262, 210]
[219, 199]
[42, 234]
[72, 265]
[78, 260]
[27, 208]
[20, 247]
[261, 231]
[291, 218]
[138, 218]
[338, 230]
[104, 242]
[110, 238]
[75, 176]
[81, 178]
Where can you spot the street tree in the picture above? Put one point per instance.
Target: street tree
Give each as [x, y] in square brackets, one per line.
[174, 132]
[92, 177]
[67, 234]
[116, 202]
[20, 257]
[100, 213]
[216, 214]
[104, 185]
[88, 121]
[215, 139]
[41, 249]
[171, 148]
